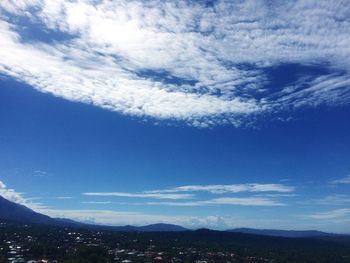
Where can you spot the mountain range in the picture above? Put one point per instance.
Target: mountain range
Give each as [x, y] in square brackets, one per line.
[282, 233]
[13, 212]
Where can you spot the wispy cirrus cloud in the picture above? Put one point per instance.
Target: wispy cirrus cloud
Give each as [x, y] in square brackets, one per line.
[334, 200]
[40, 173]
[201, 64]
[113, 217]
[141, 195]
[273, 193]
[344, 180]
[242, 201]
[228, 188]
[109, 217]
[332, 214]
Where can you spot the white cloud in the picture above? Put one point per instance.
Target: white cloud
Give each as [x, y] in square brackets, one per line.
[16, 197]
[141, 195]
[327, 89]
[268, 199]
[100, 81]
[39, 173]
[244, 201]
[64, 197]
[114, 44]
[229, 188]
[112, 217]
[108, 217]
[337, 199]
[2, 185]
[345, 180]
[333, 214]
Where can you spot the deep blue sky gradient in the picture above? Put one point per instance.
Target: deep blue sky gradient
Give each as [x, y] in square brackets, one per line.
[297, 133]
[85, 149]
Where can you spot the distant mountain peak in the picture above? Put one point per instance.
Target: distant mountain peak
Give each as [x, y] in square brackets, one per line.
[10, 211]
[162, 227]
[13, 212]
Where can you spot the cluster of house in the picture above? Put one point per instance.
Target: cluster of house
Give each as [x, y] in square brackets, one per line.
[128, 251]
[133, 255]
[15, 254]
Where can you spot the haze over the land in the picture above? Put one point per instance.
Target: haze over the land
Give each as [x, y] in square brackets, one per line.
[216, 114]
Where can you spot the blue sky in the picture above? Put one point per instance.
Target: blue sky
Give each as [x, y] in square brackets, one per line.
[219, 115]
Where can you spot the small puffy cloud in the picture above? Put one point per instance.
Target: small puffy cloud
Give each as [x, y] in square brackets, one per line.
[11, 194]
[16, 197]
[2, 185]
